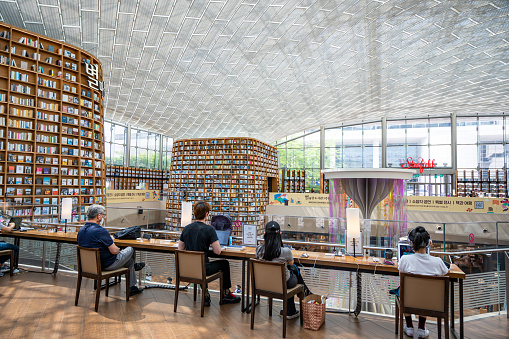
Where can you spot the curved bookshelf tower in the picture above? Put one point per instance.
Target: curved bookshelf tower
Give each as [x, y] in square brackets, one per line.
[51, 126]
[234, 175]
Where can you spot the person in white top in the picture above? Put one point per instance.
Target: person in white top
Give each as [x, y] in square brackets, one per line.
[420, 263]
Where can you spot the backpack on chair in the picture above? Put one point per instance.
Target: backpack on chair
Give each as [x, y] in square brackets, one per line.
[221, 222]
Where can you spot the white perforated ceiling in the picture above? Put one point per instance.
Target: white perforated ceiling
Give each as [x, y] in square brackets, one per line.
[270, 68]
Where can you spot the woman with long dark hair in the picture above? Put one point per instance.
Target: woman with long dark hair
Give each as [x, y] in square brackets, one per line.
[420, 263]
[273, 250]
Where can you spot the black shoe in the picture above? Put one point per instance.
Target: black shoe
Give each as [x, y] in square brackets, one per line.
[231, 299]
[138, 266]
[133, 290]
[207, 301]
[290, 315]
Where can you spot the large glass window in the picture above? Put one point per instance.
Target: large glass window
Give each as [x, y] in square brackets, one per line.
[145, 149]
[167, 150]
[115, 138]
[428, 139]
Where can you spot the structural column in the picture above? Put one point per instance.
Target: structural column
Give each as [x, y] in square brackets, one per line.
[454, 153]
[322, 147]
[384, 142]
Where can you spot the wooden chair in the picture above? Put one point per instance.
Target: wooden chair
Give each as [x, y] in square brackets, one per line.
[190, 266]
[423, 295]
[11, 254]
[89, 266]
[265, 281]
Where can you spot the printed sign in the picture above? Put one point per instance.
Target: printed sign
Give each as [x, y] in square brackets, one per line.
[121, 196]
[420, 164]
[299, 199]
[458, 204]
[249, 235]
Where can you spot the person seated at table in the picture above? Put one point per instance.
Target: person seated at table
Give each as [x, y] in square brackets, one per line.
[7, 246]
[273, 250]
[93, 235]
[198, 236]
[420, 263]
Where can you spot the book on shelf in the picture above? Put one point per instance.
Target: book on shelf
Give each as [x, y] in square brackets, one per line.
[46, 181]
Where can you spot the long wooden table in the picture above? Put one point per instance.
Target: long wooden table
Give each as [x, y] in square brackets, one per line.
[315, 259]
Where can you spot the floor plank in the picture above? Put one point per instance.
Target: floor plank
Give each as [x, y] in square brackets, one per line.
[42, 305]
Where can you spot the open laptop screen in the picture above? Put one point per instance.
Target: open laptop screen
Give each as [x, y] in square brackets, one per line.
[223, 237]
[406, 249]
[16, 221]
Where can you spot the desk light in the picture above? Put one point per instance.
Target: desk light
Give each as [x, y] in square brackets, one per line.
[353, 229]
[66, 210]
[186, 213]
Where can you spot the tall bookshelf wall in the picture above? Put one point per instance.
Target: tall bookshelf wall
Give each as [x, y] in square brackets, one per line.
[232, 174]
[129, 178]
[51, 126]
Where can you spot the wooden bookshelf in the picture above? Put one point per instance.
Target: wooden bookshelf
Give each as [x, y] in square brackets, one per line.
[51, 126]
[324, 184]
[232, 174]
[129, 178]
[489, 183]
[293, 181]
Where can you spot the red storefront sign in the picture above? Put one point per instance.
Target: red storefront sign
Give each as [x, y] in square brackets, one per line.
[421, 164]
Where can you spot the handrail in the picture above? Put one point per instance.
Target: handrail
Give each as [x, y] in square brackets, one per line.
[470, 252]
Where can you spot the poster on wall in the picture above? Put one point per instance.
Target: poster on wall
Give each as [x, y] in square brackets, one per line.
[299, 199]
[417, 203]
[459, 204]
[123, 196]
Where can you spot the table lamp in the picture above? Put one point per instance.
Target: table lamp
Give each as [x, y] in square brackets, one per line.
[186, 213]
[353, 229]
[66, 210]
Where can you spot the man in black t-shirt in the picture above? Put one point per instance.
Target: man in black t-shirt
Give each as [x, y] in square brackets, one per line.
[198, 236]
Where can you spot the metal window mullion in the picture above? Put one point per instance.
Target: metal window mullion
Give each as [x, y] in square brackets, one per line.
[322, 148]
[384, 142]
[127, 160]
[454, 150]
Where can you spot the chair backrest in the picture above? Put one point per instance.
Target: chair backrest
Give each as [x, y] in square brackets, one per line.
[269, 276]
[89, 260]
[190, 264]
[424, 292]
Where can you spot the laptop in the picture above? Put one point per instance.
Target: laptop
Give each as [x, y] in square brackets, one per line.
[223, 237]
[405, 249]
[16, 221]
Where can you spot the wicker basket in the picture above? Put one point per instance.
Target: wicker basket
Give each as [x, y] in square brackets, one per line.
[313, 314]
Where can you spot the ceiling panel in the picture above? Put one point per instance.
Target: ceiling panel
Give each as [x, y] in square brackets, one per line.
[52, 21]
[11, 14]
[30, 10]
[268, 69]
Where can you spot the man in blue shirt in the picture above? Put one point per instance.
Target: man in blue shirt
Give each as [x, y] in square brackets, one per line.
[93, 235]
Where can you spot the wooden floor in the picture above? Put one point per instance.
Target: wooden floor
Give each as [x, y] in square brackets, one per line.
[34, 305]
